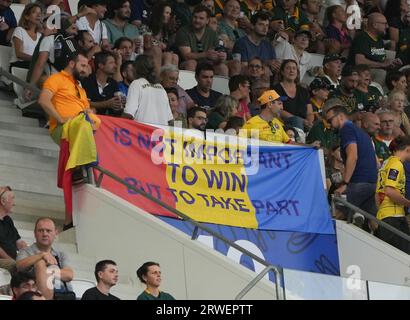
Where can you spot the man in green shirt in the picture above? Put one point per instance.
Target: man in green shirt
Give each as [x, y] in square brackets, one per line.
[367, 97]
[345, 92]
[293, 17]
[150, 274]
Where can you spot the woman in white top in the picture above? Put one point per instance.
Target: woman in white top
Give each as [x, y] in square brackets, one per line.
[26, 36]
[147, 101]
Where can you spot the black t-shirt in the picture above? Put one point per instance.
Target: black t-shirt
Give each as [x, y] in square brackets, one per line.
[8, 236]
[90, 85]
[95, 294]
[206, 102]
[297, 105]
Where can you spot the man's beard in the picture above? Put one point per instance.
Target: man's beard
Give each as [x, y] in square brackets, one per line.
[77, 75]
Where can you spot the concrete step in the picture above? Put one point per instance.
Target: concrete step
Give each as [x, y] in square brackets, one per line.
[20, 120]
[39, 201]
[29, 161]
[10, 111]
[32, 218]
[28, 136]
[32, 147]
[21, 128]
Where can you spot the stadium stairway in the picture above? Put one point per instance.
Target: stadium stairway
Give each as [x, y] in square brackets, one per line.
[28, 164]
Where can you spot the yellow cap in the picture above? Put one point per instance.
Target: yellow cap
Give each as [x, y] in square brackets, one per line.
[268, 96]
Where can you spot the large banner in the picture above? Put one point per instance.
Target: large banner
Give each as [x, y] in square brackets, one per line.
[216, 180]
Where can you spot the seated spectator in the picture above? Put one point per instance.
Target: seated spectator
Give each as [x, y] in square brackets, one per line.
[10, 240]
[106, 274]
[86, 44]
[147, 100]
[401, 121]
[22, 282]
[173, 102]
[202, 94]
[319, 92]
[139, 12]
[256, 70]
[128, 76]
[291, 14]
[233, 125]
[387, 120]
[396, 13]
[332, 69]
[225, 107]
[31, 295]
[336, 29]
[125, 47]
[169, 79]
[41, 255]
[391, 195]
[396, 82]
[346, 90]
[100, 86]
[322, 131]
[117, 23]
[26, 36]
[312, 9]
[197, 118]
[297, 110]
[239, 88]
[267, 125]
[257, 89]
[368, 97]
[198, 41]
[150, 274]
[255, 44]
[7, 22]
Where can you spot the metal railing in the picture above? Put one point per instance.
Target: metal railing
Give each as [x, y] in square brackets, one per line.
[367, 215]
[19, 81]
[277, 270]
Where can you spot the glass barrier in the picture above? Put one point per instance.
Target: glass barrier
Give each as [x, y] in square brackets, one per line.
[386, 291]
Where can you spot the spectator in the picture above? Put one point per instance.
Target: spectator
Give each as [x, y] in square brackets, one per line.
[267, 126]
[225, 107]
[41, 255]
[150, 274]
[371, 124]
[323, 132]
[387, 120]
[31, 295]
[368, 97]
[256, 70]
[22, 282]
[198, 41]
[125, 47]
[312, 9]
[173, 102]
[291, 14]
[106, 274]
[332, 69]
[117, 25]
[239, 88]
[297, 110]
[169, 79]
[359, 158]
[233, 125]
[346, 90]
[10, 240]
[396, 81]
[7, 22]
[26, 36]
[197, 118]
[319, 92]
[147, 100]
[100, 86]
[336, 29]
[257, 89]
[391, 195]
[202, 94]
[86, 44]
[140, 11]
[128, 76]
[401, 121]
[396, 13]
[256, 45]
[92, 23]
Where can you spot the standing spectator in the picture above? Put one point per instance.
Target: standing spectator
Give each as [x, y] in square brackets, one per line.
[267, 125]
[117, 25]
[26, 36]
[391, 194]
[128, 76]
[332, 69]
[336, 29]
[87, 45]
[39, 256]
[202, 94]
[297, 110]
[22, 282]
[346, 90]
[359, 158]
[197, 118]
[100, 86]
[225, 107]
[10, 240]
[147, 100]
[150, 274]
[106, 274]
[198, 41]
[125, 47]
[7, 22]
[312, 9]
[173, 102]
[239, 88]
[319, 92]
[387, 120]
[366, 95]
[334, 178]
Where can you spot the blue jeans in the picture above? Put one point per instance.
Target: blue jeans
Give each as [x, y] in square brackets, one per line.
[361, 194]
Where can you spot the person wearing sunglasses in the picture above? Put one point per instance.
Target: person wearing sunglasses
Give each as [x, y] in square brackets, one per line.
[10, 240]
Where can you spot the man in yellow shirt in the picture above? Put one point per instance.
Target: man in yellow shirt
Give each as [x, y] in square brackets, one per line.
[390, 193]
[267, 126]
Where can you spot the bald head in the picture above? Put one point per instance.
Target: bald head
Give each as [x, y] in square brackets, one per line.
[370, 123]
[377, 23]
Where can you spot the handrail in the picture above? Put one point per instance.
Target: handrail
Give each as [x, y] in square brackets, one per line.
[278, 271]
[372, 218]
[20, 82]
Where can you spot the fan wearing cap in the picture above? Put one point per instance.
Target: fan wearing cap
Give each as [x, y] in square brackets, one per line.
[332, 69]
[319, 92]
[267, 126]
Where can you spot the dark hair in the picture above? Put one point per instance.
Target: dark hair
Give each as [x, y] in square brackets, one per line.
[172, 90]
[115, 5]
[125, 65]
[143, 270]
[392, 10]
[20, 277]
[260, 15]
[192, 112]
[338, 110]
[202, 8]
[237, 80]
[101, 58]
[282, 68]
[234, 122]
[80, 35]
[399, 143]
[330, 11]
[119, 41]
[155, 22]
[100, 266]
[144, 68]
[393, 76]
[28, 295]
[359, 68]
[203, 66]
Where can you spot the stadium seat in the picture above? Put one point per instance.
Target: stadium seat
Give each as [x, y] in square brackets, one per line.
[80, 286]
[186, 79]
[73, 6]
[390, 54]
[220, 84]
[5, 56]
[17, 9]
[5, 277]
[317, 61]
[20, 73]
